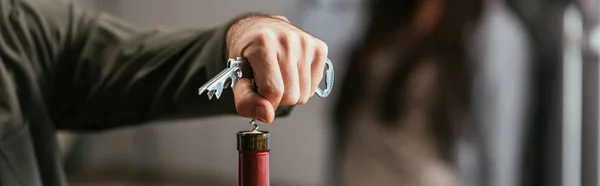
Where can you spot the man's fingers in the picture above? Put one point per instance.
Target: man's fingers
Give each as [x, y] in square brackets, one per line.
[251, 105]
[263, 58]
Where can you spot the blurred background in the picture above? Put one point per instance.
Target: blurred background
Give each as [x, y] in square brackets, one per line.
[202, 152]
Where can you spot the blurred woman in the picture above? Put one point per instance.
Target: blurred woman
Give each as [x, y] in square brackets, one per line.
[409, 81]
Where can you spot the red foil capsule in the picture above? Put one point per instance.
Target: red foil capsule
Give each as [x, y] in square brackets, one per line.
[253, 149]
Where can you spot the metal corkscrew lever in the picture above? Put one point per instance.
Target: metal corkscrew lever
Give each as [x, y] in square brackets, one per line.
[240, 68]
[253, 145]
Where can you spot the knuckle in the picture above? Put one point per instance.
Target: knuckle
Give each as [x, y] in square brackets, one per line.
[291, 34]
[304, 98]
[257, 51]
[321, 48]
[302, 101]
[287, 37]
[252, 50]
[282, 18]
[290, 99]
[306, 40]
[272, 92]
[265, 36]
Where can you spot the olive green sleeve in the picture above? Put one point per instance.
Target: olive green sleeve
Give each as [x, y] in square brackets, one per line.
[108, 73]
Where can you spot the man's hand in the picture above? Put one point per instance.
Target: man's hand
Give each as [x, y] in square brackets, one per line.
[287, 63]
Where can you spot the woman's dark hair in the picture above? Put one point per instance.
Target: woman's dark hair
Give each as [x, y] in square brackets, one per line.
[416, 29]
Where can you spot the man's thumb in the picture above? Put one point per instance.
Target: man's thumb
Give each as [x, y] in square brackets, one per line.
[251, 105]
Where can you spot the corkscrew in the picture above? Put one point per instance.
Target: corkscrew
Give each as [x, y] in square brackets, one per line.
[240, 68]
